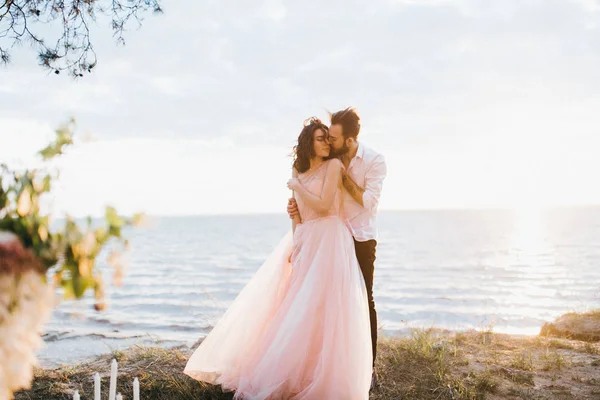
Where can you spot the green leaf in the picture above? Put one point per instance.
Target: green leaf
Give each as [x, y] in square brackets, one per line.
[47, 183]
[114, 231]
[3, 197]
[80, 285]
[50, 152]
[102, 234]
[69, 292]
[64, 137]
[115, 222]
[113, 218]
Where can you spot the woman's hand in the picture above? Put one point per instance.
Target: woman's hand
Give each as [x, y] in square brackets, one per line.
[294, 184]
[292, 208]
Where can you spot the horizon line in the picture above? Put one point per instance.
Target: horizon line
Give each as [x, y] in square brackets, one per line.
[408, 209]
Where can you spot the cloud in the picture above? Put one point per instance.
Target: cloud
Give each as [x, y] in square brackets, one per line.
[440, 85]
[172, 177]
[591, 6]
[21, 139]
[274, 10]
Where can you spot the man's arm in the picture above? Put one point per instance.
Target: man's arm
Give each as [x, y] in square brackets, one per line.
[369, 196]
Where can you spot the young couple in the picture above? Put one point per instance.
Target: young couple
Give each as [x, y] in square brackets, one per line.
[305, 326]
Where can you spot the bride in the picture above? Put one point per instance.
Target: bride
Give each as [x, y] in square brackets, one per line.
[300, 328]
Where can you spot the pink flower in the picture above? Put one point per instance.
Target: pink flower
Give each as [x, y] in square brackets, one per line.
[14, 258]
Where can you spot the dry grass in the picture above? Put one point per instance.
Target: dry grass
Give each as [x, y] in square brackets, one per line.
[591, 348]
[560, 344]
[430, 365]
[419, 368]
[158, 370]
[579, 326]
[593, 314]
[522, 360]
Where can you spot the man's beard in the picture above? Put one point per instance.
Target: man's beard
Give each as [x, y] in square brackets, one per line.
[339, 152]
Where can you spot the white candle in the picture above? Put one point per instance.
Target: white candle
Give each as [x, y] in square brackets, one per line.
[119, 397]
[136, 389]
[113, 380]
[76, 395]
[97, 386]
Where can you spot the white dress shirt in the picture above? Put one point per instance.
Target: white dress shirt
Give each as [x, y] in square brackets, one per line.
[368, 170]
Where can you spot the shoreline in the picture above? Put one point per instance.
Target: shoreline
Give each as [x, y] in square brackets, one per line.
[431, 364]
[86, 347]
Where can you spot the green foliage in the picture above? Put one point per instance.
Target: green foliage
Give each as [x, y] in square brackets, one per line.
[70, 250]
[64, 137]
[72, 49]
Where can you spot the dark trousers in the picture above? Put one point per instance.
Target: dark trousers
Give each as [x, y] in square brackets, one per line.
[365, 252]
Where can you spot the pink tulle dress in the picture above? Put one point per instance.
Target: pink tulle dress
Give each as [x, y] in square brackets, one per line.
[299, 329]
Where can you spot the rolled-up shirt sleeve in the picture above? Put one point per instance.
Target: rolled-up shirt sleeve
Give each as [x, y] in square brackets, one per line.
[374, 183]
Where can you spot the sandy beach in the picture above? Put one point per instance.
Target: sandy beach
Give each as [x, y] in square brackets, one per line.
[431, 364]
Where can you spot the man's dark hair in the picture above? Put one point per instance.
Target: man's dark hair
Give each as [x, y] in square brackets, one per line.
[349, 120]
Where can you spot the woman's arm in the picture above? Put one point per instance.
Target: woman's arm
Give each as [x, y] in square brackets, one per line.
[297, 219]
[323, 202]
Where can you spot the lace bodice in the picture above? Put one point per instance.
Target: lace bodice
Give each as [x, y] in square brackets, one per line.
[313, 181]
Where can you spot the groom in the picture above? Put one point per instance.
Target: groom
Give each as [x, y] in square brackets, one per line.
[363, 180]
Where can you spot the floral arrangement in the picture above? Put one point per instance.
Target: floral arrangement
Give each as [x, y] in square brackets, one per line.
[37, 256]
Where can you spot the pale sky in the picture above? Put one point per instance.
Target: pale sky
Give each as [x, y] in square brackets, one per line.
[474, 103]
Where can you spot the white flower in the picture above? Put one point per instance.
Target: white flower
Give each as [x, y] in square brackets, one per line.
[85, 267]
[43, 232]
[19, 328]
[115, 259]
[24, 203]
[7, 237]
[88, 243]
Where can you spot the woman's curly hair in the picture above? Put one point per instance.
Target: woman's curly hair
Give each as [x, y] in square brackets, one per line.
[305, 149]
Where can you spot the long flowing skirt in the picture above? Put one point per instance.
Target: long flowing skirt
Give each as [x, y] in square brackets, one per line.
[299, 329]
